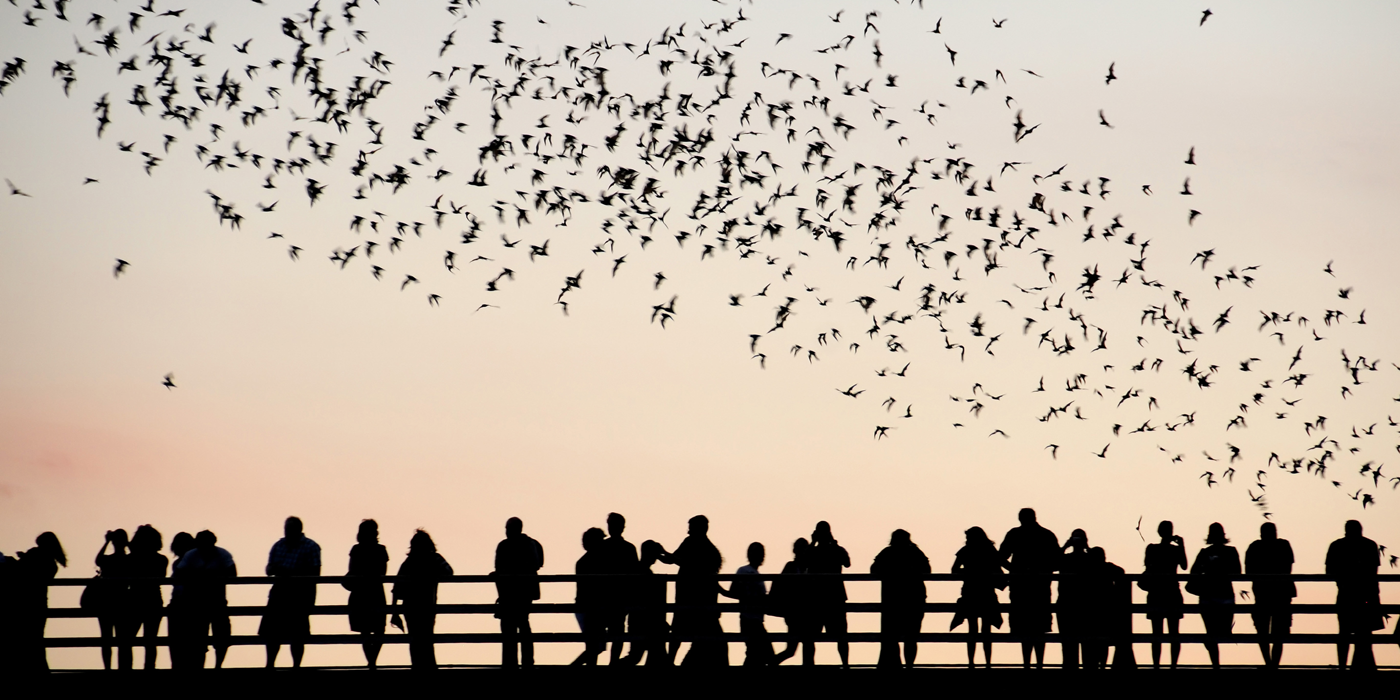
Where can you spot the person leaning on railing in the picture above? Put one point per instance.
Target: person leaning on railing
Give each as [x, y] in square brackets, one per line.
[1210, 582]
[416, 587]
[30, 575]
[1354, 562]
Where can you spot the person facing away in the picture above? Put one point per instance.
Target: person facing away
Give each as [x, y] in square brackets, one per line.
[519, 559]
[752, 595]
[697, 595]
[416, 588]
[1031, 553]
[829, 592]
[647, 616]
[980, 565]
[1273, 597]
[111, 596]
[1354, 561]
[33, 570]
[177, 627]
[1211, 584]
[369, 562]
[901, 567]
[1108, 618]
[1071, 609]
[289, 603]
[201, 601]
[591, 596]
[1161, 562]
[791, 598]
[619, 559]
[146, 565]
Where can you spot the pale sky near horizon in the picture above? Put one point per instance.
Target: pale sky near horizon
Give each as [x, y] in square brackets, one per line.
[304, 388]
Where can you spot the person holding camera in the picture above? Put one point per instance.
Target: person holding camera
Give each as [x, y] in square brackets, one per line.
[1164, 602]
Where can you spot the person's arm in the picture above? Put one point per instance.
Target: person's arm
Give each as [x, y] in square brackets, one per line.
[845, 557]
[1181, 556]
[102, 553]
[315, 564]
[272, 569]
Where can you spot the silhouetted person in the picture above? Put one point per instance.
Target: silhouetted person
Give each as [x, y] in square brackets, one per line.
[620, 559]
[416, 588]
[1106, 620]
[369, 563]
[176, 613]
[289, 603]
[647, 612]
[1161, 563]
[697, 597]
[591, 599]
[1354, 562]
[1072, 607]
[752, 595]
[1211, 583]
[518, 562]
[201, 598]
[791, 598]
[979, 564]
[144, 563]
[34, 570]
[828, 592]
[1273, 598]
[901, 567]
[1118, 621]
[1031, 553]
[108, 596]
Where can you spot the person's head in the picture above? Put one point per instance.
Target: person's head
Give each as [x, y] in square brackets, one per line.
[182, 542]
[205, 540]
[421, 542]
[976, 535]
[800, 547]
[368, 533]
[1097, 556]
[1078, 538]
[593, 539]
[1026, 516]
[900, 538]
[118, 538]
[146, 539]
[48, 544]
[756, 554]
[292, 527]
[616, 524]
[1216, 534]
[1165, 530]
[514, 527]
[699, 526]
[1353, 528]
[1268, 531]
[651, 552]
[822, 533]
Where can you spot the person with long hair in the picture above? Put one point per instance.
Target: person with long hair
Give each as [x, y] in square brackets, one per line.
[145, 565]
[35, 569]
[108, 596]
[369, 562]
[979, 564]
[791, 598]
[1161, 563]
[416, 587]
[1211, 583]
[591, 597]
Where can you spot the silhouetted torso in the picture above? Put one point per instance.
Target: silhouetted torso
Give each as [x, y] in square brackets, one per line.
[698, 562]
[1031, 551]
[1354, 561]
[369, 562]
[417, 582]
[145, 595]
[828, 558]
[1161, 561]
[901, 568]
[1272, 557]
[519, 558]
[1213, 564]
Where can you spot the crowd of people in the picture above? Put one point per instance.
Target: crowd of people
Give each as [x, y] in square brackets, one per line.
[620, 599]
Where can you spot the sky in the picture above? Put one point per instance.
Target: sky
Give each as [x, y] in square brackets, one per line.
[310, 387]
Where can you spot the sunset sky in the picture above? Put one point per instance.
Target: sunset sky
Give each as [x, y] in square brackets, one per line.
[309, 387]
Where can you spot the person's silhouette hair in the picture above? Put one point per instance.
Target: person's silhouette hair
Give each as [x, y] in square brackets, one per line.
[108, 598]
[1271, 557]
[1031, 553]
[901, 567]
[1354, 561]
[979, 564]
[1161, 562]
[518, 561]
[416, 588]
[1210, 581]
[791, 599]
[369, 563]
[752, 595]
[590, 600]
[287, 619]
[829, 592]
[619, 560]
[697, 594]
[146, 565]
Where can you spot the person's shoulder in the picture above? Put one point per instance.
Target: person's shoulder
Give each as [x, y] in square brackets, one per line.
[747, 569]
